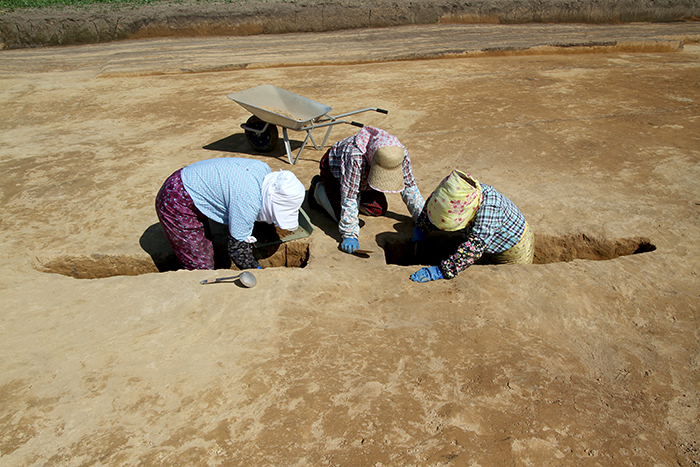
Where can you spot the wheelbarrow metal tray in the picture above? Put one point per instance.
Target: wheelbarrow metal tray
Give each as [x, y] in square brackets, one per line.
[268, 103]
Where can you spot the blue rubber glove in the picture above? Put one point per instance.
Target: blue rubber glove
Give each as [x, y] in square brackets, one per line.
[427, 274]
[350, 245]
[418, 235]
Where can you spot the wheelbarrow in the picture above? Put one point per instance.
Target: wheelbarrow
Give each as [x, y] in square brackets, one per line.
[272, 106]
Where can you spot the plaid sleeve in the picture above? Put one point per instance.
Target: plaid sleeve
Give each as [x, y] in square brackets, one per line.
[488, 221]
[351, 175]
[411, 194]
[498, 222]
[350, 181]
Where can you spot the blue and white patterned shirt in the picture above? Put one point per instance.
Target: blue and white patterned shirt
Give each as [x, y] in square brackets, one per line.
[227, 190]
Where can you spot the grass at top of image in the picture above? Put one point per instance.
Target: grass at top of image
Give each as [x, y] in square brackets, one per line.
[11, 5]
[36, 4]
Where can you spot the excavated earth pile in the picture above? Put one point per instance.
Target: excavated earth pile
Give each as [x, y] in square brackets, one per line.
[66, 25]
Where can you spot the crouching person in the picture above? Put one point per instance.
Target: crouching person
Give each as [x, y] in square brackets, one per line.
[355, 175]
[232, 191]
[492, 227]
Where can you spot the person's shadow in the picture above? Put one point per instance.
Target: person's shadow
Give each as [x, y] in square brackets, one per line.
[154, 242]
[320, 219]
[397, 244]
[400, 250]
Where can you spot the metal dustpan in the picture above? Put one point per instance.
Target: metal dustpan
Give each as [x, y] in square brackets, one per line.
[304, 230]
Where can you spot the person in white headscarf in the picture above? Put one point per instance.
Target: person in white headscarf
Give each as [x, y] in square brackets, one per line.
[232, 191]
[356, 172]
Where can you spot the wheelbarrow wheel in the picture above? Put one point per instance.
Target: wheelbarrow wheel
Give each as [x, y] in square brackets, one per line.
[265, 141]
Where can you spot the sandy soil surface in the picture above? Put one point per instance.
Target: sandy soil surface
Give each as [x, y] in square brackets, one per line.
[590, 357]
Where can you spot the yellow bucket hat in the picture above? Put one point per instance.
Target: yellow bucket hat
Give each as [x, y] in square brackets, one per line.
[455, 201]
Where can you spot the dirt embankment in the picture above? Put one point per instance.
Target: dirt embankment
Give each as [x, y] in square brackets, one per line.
[65, 26]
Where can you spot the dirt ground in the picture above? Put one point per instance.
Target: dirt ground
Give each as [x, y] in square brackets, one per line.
[591, 357]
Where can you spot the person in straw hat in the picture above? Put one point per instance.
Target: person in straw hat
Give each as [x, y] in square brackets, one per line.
[232, 191]
[356, 172]
[493, 229]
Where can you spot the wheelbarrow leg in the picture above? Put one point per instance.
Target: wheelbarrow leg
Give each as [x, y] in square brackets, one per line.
[288, 148]
[313, 141]
[328, 133]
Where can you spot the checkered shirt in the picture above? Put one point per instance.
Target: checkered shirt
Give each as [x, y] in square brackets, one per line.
[349, 160]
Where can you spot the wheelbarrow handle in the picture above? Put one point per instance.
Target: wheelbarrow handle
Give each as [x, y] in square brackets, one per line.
[382, 111]
[361, 125]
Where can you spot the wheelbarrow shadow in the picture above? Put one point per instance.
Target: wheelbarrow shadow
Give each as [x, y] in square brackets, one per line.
[237, 143]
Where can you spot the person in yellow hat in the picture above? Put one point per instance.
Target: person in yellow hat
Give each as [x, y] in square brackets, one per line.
[493, 228]
[355, 174]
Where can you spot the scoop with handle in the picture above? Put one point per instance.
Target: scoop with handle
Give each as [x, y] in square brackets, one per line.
[246, 278]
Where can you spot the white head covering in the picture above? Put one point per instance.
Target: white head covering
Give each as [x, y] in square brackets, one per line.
[282, 195]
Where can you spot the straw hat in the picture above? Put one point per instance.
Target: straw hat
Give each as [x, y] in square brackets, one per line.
[454, 202]
[386, 169]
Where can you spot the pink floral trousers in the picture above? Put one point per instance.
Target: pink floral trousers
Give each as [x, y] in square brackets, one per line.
[185, 227]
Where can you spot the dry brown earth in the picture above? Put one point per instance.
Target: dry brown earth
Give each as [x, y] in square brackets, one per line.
[193, 18]
[346, 361]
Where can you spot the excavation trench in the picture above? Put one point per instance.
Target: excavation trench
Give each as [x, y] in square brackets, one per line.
[95, 266]
[548, 249]
[295, 254]
[270, 252]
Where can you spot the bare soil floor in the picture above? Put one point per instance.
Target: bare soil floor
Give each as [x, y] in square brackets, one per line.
[590, 357]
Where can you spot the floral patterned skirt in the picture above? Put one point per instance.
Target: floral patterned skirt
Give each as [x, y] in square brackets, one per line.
[185, 227]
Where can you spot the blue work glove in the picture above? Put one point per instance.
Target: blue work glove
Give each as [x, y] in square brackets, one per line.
[350, 245]
[418, 235]
[427, 274]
